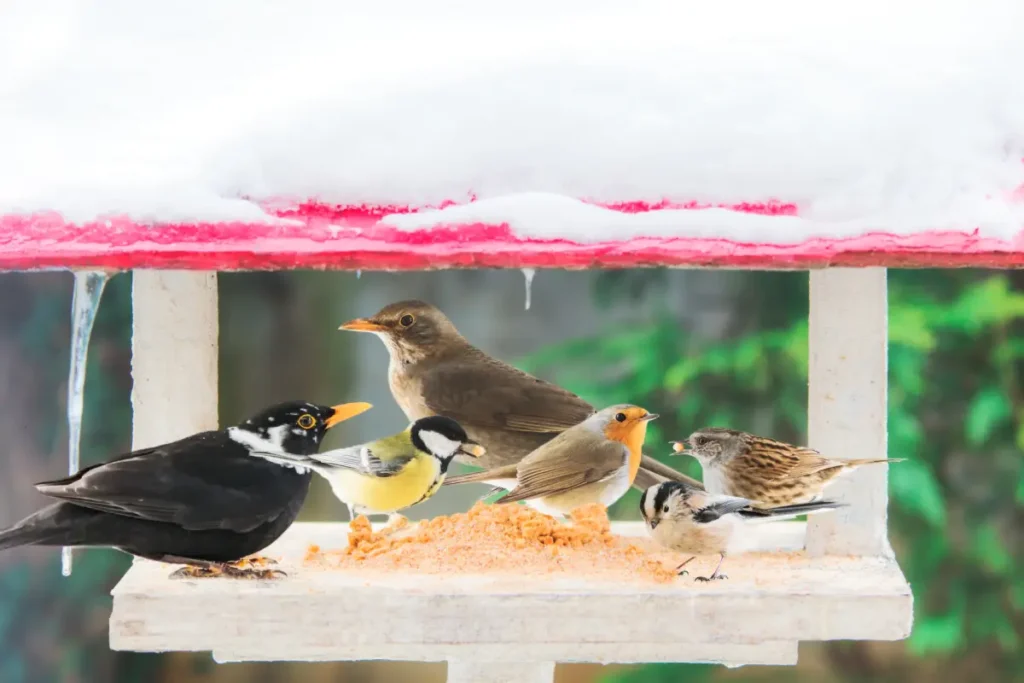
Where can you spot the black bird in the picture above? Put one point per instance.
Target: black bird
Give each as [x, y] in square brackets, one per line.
[206, 501]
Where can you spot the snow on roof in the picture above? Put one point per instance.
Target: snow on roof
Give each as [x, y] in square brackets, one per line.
[585, 121]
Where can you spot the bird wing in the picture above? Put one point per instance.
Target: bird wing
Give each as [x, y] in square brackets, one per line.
[716, 507]
[484, 392]
[780, 464]
[572, 459]
[361, 459]
[192, 483]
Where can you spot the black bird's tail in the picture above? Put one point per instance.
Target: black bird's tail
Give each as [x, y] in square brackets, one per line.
[57, 524]
[784, 511]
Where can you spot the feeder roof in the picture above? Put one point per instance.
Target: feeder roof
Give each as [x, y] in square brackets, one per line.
[403, 134]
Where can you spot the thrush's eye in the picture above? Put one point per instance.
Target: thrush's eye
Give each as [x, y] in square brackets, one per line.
[620, 417]
[307, 421]
[407, 320]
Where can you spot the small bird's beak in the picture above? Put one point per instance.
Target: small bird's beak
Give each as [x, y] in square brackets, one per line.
[654, 523]
[362, 325]
[649, 416]
[679, 446]
[472, 448]
[344, 411]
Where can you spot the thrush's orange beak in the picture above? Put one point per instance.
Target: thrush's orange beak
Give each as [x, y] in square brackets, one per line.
[344, 411]
[362, 325]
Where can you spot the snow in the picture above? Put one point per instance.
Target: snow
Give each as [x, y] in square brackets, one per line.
[897, 117]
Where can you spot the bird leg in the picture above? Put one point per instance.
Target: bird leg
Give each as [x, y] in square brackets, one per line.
[714, 575]
[246, 568]
[682, 572]
[395, 523]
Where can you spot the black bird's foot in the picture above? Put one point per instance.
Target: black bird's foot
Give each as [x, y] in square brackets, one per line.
[243, 569]
[253, 562]
[713, 577]
[253, 573]
[192, 571]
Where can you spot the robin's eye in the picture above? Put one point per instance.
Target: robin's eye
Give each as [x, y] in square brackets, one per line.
[620, 417]
[306, 421]
[406, 320]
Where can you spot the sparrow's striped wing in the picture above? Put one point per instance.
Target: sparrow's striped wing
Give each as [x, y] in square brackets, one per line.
[361, 459]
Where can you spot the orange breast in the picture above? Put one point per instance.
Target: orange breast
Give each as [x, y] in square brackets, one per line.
[632, 435]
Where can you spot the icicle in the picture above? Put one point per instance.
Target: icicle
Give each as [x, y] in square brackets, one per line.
[88, 290]
[359, 274]
[528, 273]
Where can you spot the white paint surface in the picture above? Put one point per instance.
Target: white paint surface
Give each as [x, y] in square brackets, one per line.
[869, 115]
[846, 413]
[319, 615]
[174, 355]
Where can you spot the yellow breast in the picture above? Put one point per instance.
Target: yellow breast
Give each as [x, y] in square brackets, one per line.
[418, 481]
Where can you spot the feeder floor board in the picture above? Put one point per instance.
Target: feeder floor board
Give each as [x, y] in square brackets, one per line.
[317, 614]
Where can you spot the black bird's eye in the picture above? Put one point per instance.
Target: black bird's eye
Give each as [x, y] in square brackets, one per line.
[620, 417]
[307, 421]
[407, 320]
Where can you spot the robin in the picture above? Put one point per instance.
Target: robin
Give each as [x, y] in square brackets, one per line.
[434, 370]
[595, 461]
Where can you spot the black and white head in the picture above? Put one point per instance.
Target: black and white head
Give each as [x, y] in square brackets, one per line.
[295, 428]
[664, 500]
[711, 444]
[444, 438]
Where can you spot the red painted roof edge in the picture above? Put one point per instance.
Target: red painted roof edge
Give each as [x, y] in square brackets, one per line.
[351, 237]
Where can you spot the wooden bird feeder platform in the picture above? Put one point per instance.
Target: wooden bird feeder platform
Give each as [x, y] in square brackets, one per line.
[846, 585]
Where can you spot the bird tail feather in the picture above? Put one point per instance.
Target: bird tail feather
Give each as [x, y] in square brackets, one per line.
[507, 472]
[786, 511]
[57, 524]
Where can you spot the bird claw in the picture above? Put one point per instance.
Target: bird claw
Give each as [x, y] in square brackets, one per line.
[234, 570]
[253, 562]
[713, 577]
[683, 572]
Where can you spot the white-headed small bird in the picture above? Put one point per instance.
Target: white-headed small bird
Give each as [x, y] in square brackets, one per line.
[398, 471]
[689, 520]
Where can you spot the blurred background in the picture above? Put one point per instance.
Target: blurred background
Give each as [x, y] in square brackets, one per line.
[699, 347]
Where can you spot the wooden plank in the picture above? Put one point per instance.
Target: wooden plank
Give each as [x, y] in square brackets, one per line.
[321, 614]
[847, 395]
[174, 355]
[506, 672]
[352, 238]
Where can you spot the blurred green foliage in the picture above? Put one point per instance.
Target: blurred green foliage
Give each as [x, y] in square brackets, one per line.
[956, 411]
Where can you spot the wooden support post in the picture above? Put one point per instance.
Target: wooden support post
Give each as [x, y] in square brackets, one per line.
[848, 366]
[500, 672]
[174, 355]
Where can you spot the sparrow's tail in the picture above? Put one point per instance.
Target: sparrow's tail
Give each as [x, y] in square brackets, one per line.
[870, 461]
[508, 472]
[786, 511]
[57, 524]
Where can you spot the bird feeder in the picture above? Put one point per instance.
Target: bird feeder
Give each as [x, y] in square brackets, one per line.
[657, 136]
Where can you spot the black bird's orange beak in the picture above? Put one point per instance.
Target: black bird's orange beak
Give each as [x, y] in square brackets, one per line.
[344, 411]
[363, 325]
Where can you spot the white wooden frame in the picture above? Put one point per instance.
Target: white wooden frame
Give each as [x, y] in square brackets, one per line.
[513, 631]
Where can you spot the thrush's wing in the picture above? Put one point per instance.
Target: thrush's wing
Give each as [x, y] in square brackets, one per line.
[362, 459]
[202, 482]
[572, 459]
[481, 391]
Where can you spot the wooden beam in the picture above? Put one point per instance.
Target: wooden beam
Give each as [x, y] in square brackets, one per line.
[847, 394]
[507, 672]
[174, 355]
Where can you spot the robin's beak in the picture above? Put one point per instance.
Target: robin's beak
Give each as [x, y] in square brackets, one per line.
[472, 449]
[363, 325]
[649, 416]
[679, 446]
[344, 411]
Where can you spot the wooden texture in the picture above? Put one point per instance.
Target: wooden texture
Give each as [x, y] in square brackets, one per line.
[341, 237]
[317, 614]
[495, 672]
[847, 395]
[174, 355]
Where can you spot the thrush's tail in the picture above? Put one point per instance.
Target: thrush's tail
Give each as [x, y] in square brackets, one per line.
[57, 524]
[497, 474]
[785, 511]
